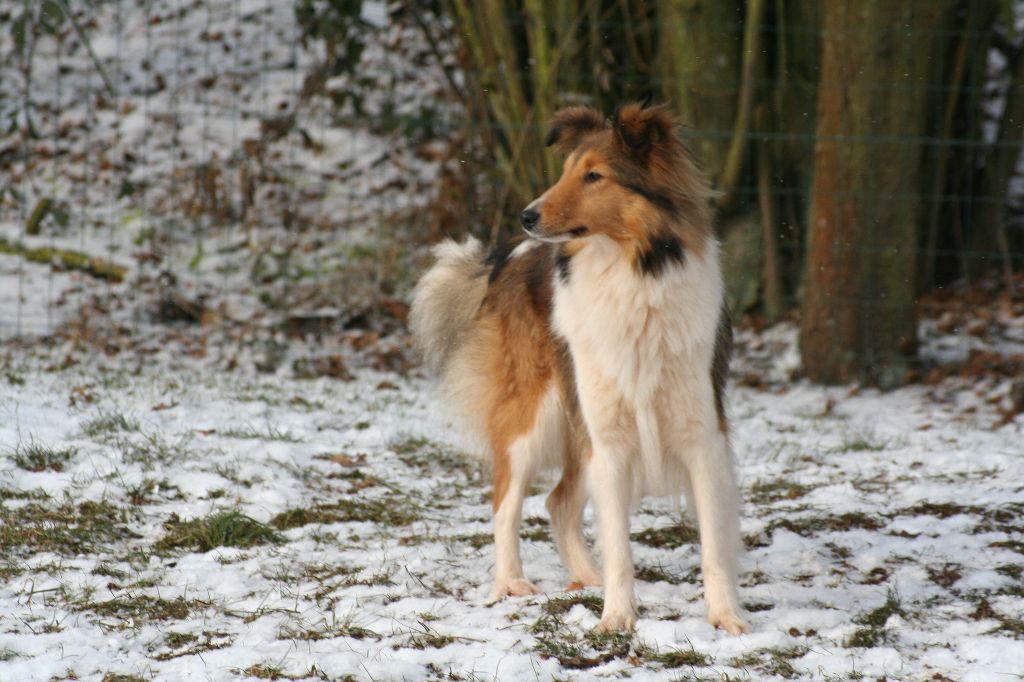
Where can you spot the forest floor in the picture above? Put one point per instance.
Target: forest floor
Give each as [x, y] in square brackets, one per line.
[173, 510]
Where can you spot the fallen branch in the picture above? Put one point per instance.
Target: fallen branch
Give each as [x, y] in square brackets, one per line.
[38, 214]
[67, 259]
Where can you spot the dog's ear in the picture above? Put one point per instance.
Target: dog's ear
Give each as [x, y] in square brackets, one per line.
[570, 125]
[639, 129]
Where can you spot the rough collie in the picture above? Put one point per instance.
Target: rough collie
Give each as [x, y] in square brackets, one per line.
[598, 343]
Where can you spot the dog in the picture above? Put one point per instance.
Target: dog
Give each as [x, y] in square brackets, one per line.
[598, 342]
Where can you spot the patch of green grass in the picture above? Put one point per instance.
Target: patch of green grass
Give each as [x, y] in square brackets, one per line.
[151, 490]
[429, 639]
[878, 617]
[536, 534]
[354, 475]
[315, 572]
[119, 677]
[942, 510]
[150, 450]
[270, 433]
[873, 631]
[109, 571]
[768, 492]
[773, 661]
[946, 575]
[475, 540]
[346, 629]
[325, 575]
[810, 526]
[15, 494]
[265, 671]
[10, 569]
[13, 377]
[221, 529]
[388, 512]
[412, 445]
[427, 455]
[1011, 571]
[188, 644]
[865, 638]
[1012, 545]
[1007, 518]
[34, 456]
[141, 608]
[1010, 625]
[176, 640]
[381, 577]
[669, 537]
[107, 424]
[593, 648]
[676, 658]
[656, 574]
[559, 606]
[67, 529]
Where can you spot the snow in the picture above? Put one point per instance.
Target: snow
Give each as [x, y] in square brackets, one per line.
[858, 529]
[196, 91]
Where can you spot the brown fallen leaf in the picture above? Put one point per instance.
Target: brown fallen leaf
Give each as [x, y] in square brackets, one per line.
[367, 482]
[343, 459]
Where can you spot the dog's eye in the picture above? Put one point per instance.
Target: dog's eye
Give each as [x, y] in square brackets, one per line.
[592, 176]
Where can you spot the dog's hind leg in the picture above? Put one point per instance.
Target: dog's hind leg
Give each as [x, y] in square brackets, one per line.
[716, 504]
[513, 471]
[514, 466]
[565, 504]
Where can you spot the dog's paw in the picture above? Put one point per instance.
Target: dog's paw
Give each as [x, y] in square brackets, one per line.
[582, 582]
[617, 621]
[729, 621]
[516, 587]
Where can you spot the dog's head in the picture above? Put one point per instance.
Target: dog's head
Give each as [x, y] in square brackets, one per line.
[625, 178]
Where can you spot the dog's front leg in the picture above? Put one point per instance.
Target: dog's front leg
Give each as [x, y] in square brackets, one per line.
[611, 490]
[717, 505]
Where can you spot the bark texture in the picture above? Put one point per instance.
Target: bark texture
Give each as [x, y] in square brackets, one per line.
[858, 317]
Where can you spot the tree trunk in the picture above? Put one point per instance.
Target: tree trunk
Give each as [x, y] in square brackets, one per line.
[699, 59]
[798, 59]
[858, 319]
[794, 113]
[988, 225]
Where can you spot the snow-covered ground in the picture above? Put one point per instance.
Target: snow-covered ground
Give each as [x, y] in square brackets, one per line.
[164, 521]
[181, 137]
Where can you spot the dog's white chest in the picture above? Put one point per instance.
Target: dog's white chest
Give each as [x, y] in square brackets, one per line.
[644, 333]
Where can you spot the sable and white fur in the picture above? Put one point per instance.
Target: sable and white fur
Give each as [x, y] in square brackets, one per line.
[600, 344]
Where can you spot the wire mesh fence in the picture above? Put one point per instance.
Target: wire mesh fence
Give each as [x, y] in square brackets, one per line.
[160, 144]
[226, 160]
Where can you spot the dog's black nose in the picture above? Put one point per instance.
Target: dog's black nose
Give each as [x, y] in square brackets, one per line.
[529, 218]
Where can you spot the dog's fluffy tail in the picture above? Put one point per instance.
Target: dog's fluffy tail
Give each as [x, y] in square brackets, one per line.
[446, 299]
